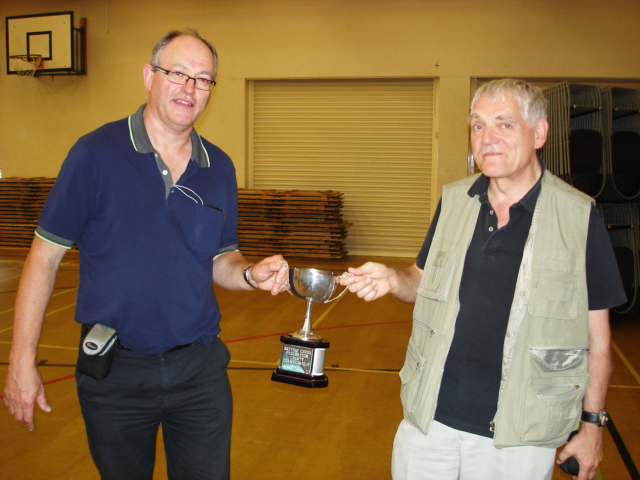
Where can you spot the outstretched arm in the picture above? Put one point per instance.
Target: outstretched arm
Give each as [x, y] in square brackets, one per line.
[268, 274]
[24, 388]
[374, 280]
[588, 445]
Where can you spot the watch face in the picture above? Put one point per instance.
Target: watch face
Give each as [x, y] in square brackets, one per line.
[603, 418]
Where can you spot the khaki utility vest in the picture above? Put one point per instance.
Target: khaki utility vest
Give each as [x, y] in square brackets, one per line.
[544, 366]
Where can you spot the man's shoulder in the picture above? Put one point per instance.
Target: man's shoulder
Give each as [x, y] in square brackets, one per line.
[107, 133]
[217, 156]
[465, 182]
[566, 190]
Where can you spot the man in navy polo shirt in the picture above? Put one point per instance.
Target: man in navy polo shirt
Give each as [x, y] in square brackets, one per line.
[510, 337]
[153, 209]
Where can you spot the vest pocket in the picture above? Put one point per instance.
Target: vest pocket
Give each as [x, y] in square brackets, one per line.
[552, 408]
[558, 359]
[438, 272]
[554, 292]
[410, 376]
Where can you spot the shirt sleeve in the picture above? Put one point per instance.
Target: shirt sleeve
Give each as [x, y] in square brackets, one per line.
[70, 202]
[229, 241]
[421, 259]
[604, 284]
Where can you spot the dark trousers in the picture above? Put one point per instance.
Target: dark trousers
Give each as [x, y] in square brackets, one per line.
[187, 391]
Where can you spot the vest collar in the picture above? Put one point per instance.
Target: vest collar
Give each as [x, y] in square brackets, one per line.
[481, 188]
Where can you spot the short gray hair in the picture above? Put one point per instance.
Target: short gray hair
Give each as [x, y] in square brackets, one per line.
[529, 97]
[159, 47]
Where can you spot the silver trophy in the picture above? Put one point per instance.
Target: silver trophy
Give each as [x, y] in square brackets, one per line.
[302, 360]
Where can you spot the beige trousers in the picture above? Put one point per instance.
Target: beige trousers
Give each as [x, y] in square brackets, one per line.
[449, 454]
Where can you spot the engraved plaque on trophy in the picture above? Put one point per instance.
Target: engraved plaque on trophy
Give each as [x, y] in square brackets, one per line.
[302, 360]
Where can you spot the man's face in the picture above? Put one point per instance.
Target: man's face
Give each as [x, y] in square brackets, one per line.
[503, 145]
[179, 106]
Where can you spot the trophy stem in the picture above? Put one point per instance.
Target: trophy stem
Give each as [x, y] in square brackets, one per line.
[306, 332]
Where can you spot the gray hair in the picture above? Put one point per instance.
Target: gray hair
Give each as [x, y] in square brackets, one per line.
[159, 47]
[530, 98]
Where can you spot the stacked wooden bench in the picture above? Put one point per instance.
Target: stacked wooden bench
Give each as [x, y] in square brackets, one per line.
[293, 223]
[21, 200]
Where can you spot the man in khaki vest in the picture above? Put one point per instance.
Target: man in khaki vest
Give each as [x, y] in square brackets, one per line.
[510, 346]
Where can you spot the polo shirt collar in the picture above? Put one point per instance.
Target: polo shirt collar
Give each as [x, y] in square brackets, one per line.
[142, 144]
[481, 188]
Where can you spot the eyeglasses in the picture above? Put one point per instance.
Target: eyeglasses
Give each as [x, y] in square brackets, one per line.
[180, 78]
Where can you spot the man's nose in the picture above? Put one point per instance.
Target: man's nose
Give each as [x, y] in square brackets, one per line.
[189, 87]
[488, 135]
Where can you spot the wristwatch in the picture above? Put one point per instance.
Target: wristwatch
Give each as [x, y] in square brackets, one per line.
[601, 418]
[247, 278]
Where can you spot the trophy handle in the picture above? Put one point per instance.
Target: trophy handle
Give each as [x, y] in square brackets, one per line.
[344, 275]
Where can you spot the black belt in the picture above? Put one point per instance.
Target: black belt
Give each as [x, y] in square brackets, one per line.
[174, 349]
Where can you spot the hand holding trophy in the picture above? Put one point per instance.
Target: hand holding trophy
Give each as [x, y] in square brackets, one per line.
[302, 360]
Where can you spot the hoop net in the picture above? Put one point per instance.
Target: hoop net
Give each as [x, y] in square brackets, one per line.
[25, 65]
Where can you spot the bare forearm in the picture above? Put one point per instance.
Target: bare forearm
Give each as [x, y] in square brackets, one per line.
[405, 282]
[34, 292]
[599, 361]
[374, 280]
[267, 274]
[228, 271]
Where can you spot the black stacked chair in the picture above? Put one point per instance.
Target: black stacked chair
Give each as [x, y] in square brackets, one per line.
[575, 149]
[622, 163]
[622, 223]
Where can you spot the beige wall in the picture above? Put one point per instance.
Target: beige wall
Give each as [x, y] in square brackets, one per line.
[452, 40]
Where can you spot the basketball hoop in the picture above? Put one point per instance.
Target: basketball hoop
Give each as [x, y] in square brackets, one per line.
[25, 65]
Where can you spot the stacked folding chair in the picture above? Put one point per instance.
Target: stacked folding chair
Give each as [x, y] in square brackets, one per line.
[622, 166]
[622, 221]
[594, 145]
[574, 150]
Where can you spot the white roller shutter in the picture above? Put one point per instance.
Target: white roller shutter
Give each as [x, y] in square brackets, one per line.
[371, 139]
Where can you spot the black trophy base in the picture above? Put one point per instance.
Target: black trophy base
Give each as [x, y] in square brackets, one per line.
[299, 379]
[302, 362]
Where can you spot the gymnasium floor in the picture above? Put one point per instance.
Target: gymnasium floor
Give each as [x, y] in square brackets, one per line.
[280, 431]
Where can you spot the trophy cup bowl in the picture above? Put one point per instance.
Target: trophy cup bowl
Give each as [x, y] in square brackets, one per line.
[302, 361]
[312, 286]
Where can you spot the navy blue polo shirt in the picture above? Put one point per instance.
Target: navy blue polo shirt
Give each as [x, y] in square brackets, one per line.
[146, 245]
[469, 390]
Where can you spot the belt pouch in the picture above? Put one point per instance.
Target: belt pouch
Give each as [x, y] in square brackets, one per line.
[96, 351]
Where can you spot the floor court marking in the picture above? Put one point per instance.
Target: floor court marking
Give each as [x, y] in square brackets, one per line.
[70, 289]
[324, 314]
[625, 361]
[60, 267]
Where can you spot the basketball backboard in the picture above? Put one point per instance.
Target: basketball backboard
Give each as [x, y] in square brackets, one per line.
[51, 35]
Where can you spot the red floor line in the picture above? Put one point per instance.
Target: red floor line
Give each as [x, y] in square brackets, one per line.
[262, 336]
[319, 328]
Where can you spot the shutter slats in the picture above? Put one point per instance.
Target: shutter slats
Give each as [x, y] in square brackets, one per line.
[370, 139]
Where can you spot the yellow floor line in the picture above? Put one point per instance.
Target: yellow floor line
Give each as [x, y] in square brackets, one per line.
[46, 346]
[270, 364]
[324, 314]
[62, 292]
[625, 361]
[46, 314]
[365, 370]
[631, 387]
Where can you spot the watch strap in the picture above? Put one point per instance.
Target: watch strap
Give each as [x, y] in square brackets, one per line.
[589, 417]
[601, 418]
[247, 278]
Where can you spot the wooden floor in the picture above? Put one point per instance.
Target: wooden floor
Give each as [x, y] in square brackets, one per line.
[280, 431]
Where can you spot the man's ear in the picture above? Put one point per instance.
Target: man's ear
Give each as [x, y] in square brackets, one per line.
[541, 130]
[147, 75]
